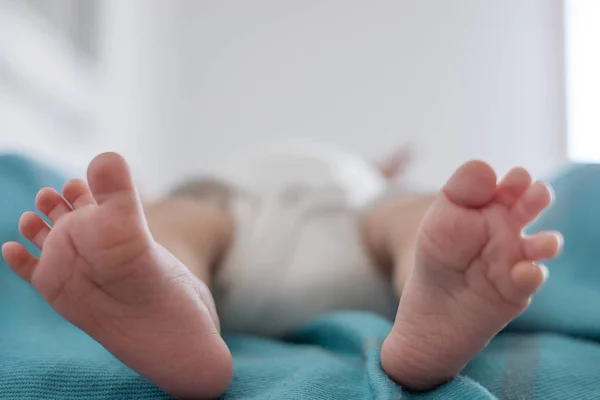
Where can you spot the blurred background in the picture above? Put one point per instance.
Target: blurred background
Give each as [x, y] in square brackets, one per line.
[178, 85]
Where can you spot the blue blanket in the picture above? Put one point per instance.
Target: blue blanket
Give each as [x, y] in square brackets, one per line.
[550, 352]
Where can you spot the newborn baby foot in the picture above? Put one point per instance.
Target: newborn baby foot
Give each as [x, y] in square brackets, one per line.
[474, 273]
[102, 271]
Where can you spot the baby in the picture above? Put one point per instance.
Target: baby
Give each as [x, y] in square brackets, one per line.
[138, 278]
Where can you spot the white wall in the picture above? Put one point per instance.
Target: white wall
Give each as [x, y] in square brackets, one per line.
[583, 81]
[188, 81]
[47, 96]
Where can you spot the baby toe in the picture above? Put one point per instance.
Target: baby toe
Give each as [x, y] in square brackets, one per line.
[512, 186]
[535, 199]
[51, 204]
[34, 228]
[472, 185]
[542, 246]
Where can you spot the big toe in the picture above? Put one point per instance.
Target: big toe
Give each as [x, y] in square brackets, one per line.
[472, 185]
[108, 176]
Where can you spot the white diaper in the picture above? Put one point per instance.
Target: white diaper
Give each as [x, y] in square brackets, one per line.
[298, 250]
